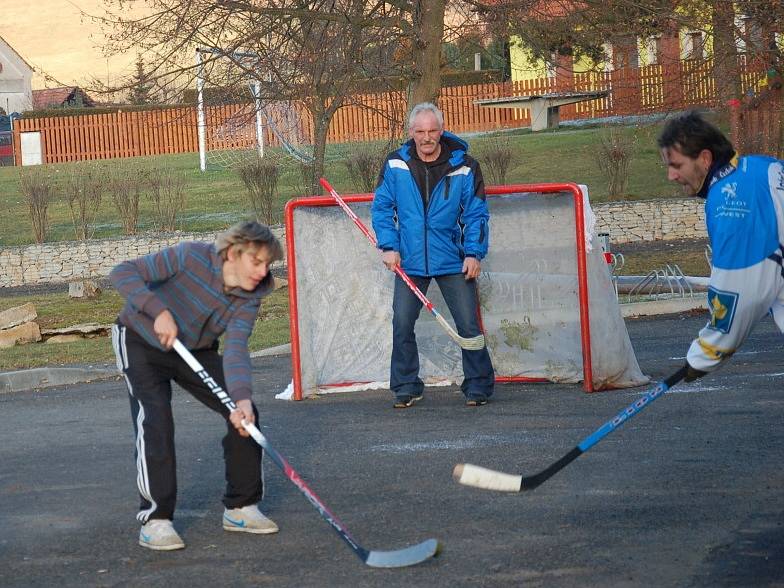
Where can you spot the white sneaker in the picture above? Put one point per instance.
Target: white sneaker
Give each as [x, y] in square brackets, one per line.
[159, 534]
[248, 519]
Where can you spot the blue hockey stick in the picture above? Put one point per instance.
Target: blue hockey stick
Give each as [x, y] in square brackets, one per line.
[471, 475]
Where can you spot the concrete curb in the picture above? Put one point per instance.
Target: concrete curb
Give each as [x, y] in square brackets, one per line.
[47, 377]
[284, 349]
[663, 306]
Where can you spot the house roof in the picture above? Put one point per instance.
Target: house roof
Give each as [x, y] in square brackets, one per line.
[59, 96]
[14, 51]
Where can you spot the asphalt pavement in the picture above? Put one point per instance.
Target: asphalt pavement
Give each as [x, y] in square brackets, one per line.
[688, 493]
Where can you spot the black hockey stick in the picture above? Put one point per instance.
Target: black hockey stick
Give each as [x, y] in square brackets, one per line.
[480, 477]
[400, 558]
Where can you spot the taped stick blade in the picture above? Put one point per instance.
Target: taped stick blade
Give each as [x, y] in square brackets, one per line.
[487, 479]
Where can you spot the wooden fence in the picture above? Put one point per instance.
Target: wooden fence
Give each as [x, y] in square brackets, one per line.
[756, 121]
[368, 117]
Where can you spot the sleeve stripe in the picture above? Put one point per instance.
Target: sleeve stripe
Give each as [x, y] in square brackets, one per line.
[461, 171]
[399, 164]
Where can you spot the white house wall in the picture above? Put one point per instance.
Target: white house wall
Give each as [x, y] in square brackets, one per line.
[16, 77]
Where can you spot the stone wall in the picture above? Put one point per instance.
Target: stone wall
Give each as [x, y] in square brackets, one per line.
[644, 220]
[651, 220]
[64, 261]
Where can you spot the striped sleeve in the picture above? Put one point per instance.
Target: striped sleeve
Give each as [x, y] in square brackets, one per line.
[236, 358]
[131, 278]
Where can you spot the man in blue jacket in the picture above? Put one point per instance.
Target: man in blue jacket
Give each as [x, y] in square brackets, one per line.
[744, 214]
[430, 217]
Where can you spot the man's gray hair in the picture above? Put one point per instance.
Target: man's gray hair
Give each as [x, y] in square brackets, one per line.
[426, 107]
[246, 234]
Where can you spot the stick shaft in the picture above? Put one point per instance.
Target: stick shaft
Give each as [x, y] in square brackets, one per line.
[631, 410]
[472, 343]
[479, 477]
[607, 428]
[279, 460]
[398, 270]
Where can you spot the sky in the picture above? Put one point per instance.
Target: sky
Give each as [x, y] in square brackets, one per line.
[55, 38]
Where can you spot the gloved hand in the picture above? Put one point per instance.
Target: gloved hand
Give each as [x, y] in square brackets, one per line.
[692, 374]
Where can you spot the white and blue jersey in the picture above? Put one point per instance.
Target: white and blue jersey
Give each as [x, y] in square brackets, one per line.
[744, 214]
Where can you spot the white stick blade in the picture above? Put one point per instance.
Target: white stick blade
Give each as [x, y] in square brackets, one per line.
[403, 557]
[479, 477]
[469, 343]
[474, 343]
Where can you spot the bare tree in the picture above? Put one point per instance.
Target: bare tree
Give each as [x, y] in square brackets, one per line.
[83, 187]
[309, 51]
[582, 28]
[426, 35]
[38, 189]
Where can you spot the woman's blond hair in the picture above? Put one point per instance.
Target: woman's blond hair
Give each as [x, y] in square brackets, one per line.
[248, 234]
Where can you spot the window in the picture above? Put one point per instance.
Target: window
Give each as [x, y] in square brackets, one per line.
[651, 50]
[751, 35]
[693, 45]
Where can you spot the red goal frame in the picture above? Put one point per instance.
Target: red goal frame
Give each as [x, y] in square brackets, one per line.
[495, 191]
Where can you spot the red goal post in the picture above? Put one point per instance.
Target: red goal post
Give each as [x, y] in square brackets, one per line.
[340, 295]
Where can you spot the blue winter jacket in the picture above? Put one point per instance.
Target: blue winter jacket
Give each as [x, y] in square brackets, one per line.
[435, 231]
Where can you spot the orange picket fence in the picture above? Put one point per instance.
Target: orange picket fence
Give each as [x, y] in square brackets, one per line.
[369, 117]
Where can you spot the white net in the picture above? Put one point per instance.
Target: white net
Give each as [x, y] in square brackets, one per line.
[289, 127]
[235, 135]
[528, 292]
[231, 135]
[239, 124]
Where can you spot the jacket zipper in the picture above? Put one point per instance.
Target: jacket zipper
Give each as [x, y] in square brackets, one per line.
[427, 206]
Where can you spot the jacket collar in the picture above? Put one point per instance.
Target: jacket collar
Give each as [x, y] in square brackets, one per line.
[718, 170]
[454, 145]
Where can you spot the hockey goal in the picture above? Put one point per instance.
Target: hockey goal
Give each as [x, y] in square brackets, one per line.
[547, 304]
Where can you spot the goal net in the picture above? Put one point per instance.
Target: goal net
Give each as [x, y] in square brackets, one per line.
[547, 303]
[236, 124]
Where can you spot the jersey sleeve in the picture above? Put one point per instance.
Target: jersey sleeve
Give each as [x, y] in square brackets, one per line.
[383, 212]
[476, 215]
[737, 300]
[236, 357]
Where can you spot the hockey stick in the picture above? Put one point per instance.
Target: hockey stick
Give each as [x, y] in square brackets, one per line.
[377, 559]
[480, 477]
[469, 343]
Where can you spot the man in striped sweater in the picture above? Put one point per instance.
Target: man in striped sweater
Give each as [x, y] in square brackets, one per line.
[195, 292]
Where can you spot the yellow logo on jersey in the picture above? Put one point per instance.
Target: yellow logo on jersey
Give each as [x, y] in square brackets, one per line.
[718, 310]
[713, 352]
[722, 306]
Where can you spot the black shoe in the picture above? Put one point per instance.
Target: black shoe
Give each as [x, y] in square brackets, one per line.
[476, 400]
[406, 400]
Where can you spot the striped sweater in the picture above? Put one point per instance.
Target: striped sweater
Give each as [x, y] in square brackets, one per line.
[187, 280]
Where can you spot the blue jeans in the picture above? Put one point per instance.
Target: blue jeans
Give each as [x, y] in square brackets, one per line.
[461, 298]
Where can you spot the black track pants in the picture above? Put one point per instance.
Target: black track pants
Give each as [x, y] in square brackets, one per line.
[148, 373]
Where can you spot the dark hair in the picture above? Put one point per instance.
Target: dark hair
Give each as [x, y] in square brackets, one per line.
[249, 233]
[689, 133]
